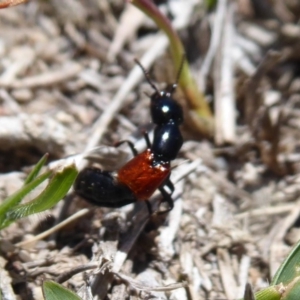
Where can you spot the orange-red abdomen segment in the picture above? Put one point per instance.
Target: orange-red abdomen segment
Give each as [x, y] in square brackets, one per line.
[142, 177]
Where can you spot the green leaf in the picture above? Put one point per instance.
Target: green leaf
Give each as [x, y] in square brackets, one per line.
[290, 268]
[269, 293]
[36, 170]
[56, 189]
[292, 290]
[10, 202]
[55, 291]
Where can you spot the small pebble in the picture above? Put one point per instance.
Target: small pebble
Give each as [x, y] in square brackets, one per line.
[22, 95]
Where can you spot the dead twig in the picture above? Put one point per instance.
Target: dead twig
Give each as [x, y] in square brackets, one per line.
[140, 286]
[57, 227]
[67, 275]
[49, 78]
[225, 110]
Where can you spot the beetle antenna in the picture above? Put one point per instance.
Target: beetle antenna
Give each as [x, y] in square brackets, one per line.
[147, 76]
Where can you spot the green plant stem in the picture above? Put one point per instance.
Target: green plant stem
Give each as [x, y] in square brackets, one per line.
[196, 100]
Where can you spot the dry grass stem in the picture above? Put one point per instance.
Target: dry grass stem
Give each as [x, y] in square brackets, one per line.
[225, 113]
[54, 229]
[217, 27]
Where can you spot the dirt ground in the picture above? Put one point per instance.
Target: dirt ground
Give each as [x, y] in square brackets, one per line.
[67, 85]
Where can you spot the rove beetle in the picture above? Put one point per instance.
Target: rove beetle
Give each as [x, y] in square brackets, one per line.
[146, 172]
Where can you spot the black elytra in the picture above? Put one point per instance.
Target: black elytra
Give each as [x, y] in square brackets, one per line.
[94, 185]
